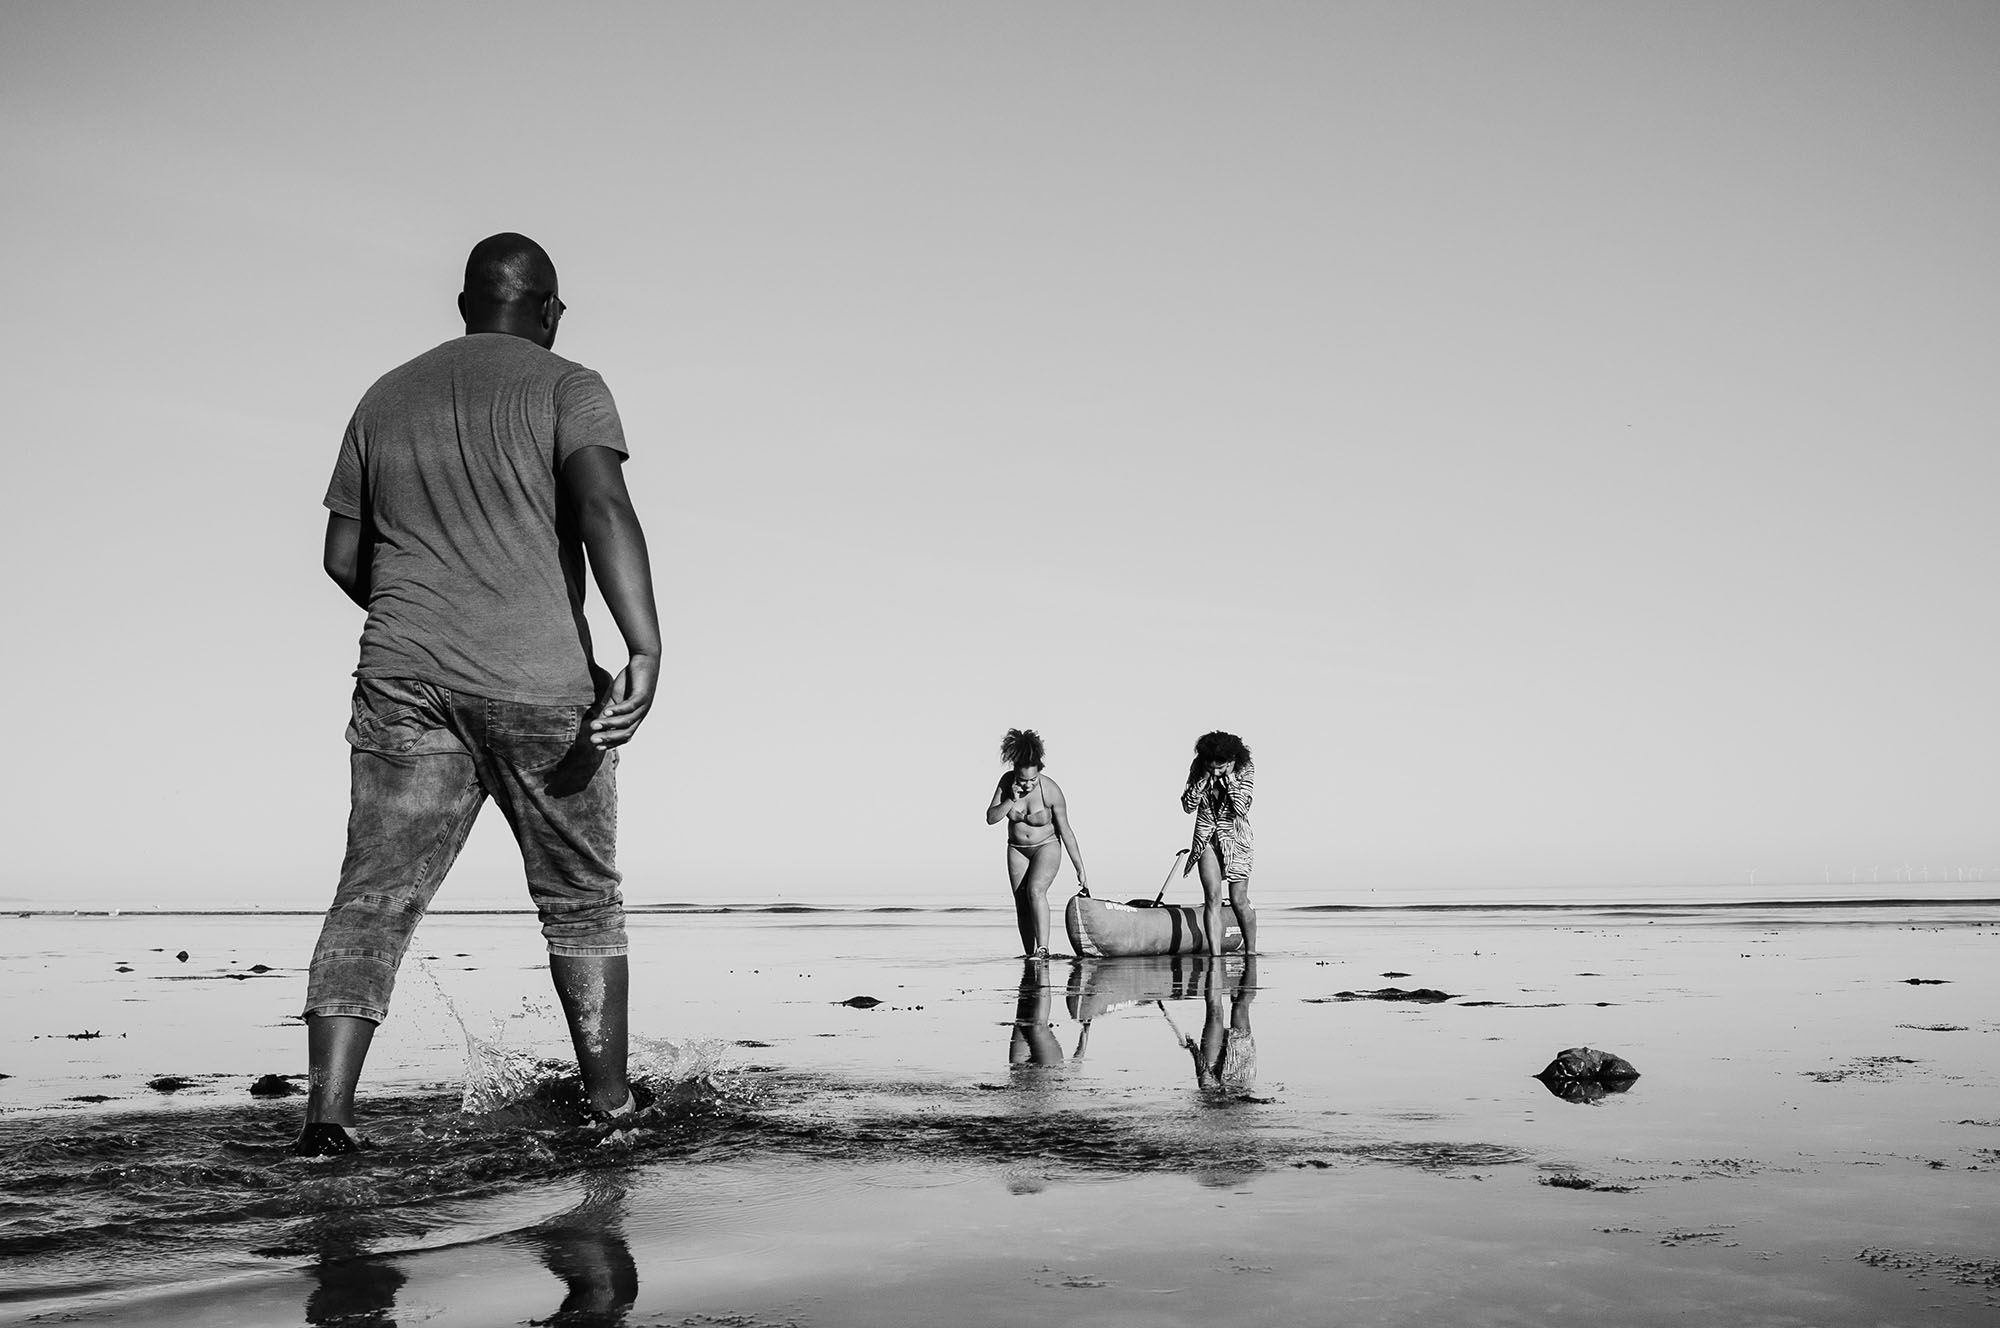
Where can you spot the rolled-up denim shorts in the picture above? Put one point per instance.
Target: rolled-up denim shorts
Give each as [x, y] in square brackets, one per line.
[424, 760]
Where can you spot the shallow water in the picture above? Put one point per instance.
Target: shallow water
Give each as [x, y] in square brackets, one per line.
[1814, 1139]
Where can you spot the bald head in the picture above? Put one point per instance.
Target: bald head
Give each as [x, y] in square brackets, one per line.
[510, 286]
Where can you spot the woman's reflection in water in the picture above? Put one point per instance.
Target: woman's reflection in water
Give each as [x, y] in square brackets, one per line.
[1033, 1040]
[585, 1247]
[1225, 1059]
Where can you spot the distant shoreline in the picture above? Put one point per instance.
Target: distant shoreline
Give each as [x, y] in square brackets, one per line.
[1611, 906]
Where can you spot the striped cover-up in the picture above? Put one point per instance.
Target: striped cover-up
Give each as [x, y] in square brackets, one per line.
[1222, 815]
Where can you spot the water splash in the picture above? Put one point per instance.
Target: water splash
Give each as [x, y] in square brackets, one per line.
[499, 1077]
[664, 1061]
[496, 1075]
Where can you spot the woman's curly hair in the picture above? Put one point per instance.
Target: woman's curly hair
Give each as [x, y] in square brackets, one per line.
[1217, 746]
[1022, 748]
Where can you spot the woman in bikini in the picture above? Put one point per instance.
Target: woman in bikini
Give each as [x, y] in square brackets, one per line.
[1220, 783]
[1038, 833]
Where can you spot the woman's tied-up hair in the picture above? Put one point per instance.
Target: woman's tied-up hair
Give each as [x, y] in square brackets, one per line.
[1022, 748]
[1217, 746]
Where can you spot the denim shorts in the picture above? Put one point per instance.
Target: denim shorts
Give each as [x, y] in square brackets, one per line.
[424, 760]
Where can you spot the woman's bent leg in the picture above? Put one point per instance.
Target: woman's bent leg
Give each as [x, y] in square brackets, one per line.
[1031, 892]
[1246, 916]
[1211, 900]
[1017, 872]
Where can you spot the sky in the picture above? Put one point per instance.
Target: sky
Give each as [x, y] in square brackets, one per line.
[1559, 438]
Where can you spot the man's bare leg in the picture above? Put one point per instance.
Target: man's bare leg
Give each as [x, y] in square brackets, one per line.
[592, 989]
[336, 1047]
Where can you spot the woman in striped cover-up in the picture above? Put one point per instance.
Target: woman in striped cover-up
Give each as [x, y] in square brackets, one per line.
[1219, 785]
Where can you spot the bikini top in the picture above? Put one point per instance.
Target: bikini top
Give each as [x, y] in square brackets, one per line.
[1042, 817]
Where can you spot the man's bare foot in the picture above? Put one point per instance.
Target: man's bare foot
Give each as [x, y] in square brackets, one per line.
[325, 1139]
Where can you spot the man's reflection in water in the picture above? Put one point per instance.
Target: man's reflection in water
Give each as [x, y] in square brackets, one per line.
[1033, 1040]
[1225, 1058]
[352, 1289]
[585, 1247]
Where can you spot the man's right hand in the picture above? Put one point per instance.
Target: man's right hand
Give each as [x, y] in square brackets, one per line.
[626, 704]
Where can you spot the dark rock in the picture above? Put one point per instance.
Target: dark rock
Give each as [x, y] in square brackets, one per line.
[260, 968]
[82, 1037]
[1425, 995]
[1395, 975]
[1583, 1063]
[169, 1083]
[1583, 1075]
[1926, 982]
[1585, 1091]
[124, 968]
[182, 956]
[1876, 1069]
[861, 1002]
[1569, 1180]
[274, 1085]
[93, 1097]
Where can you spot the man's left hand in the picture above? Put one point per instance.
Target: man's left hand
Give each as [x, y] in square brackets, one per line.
[626, 704]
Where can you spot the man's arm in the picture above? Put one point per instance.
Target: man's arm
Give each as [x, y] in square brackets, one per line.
[345, 556]
[593, 481]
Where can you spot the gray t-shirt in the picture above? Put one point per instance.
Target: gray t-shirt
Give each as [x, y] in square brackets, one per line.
[477, 576]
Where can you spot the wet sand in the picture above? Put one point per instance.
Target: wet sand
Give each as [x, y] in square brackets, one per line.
[1814, 1139]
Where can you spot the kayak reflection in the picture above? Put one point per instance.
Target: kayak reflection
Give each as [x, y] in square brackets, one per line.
[1225, 1053]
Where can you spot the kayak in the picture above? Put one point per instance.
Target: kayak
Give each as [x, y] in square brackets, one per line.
[1102, 928]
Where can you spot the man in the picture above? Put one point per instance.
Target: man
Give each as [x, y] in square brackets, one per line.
[470, 485]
